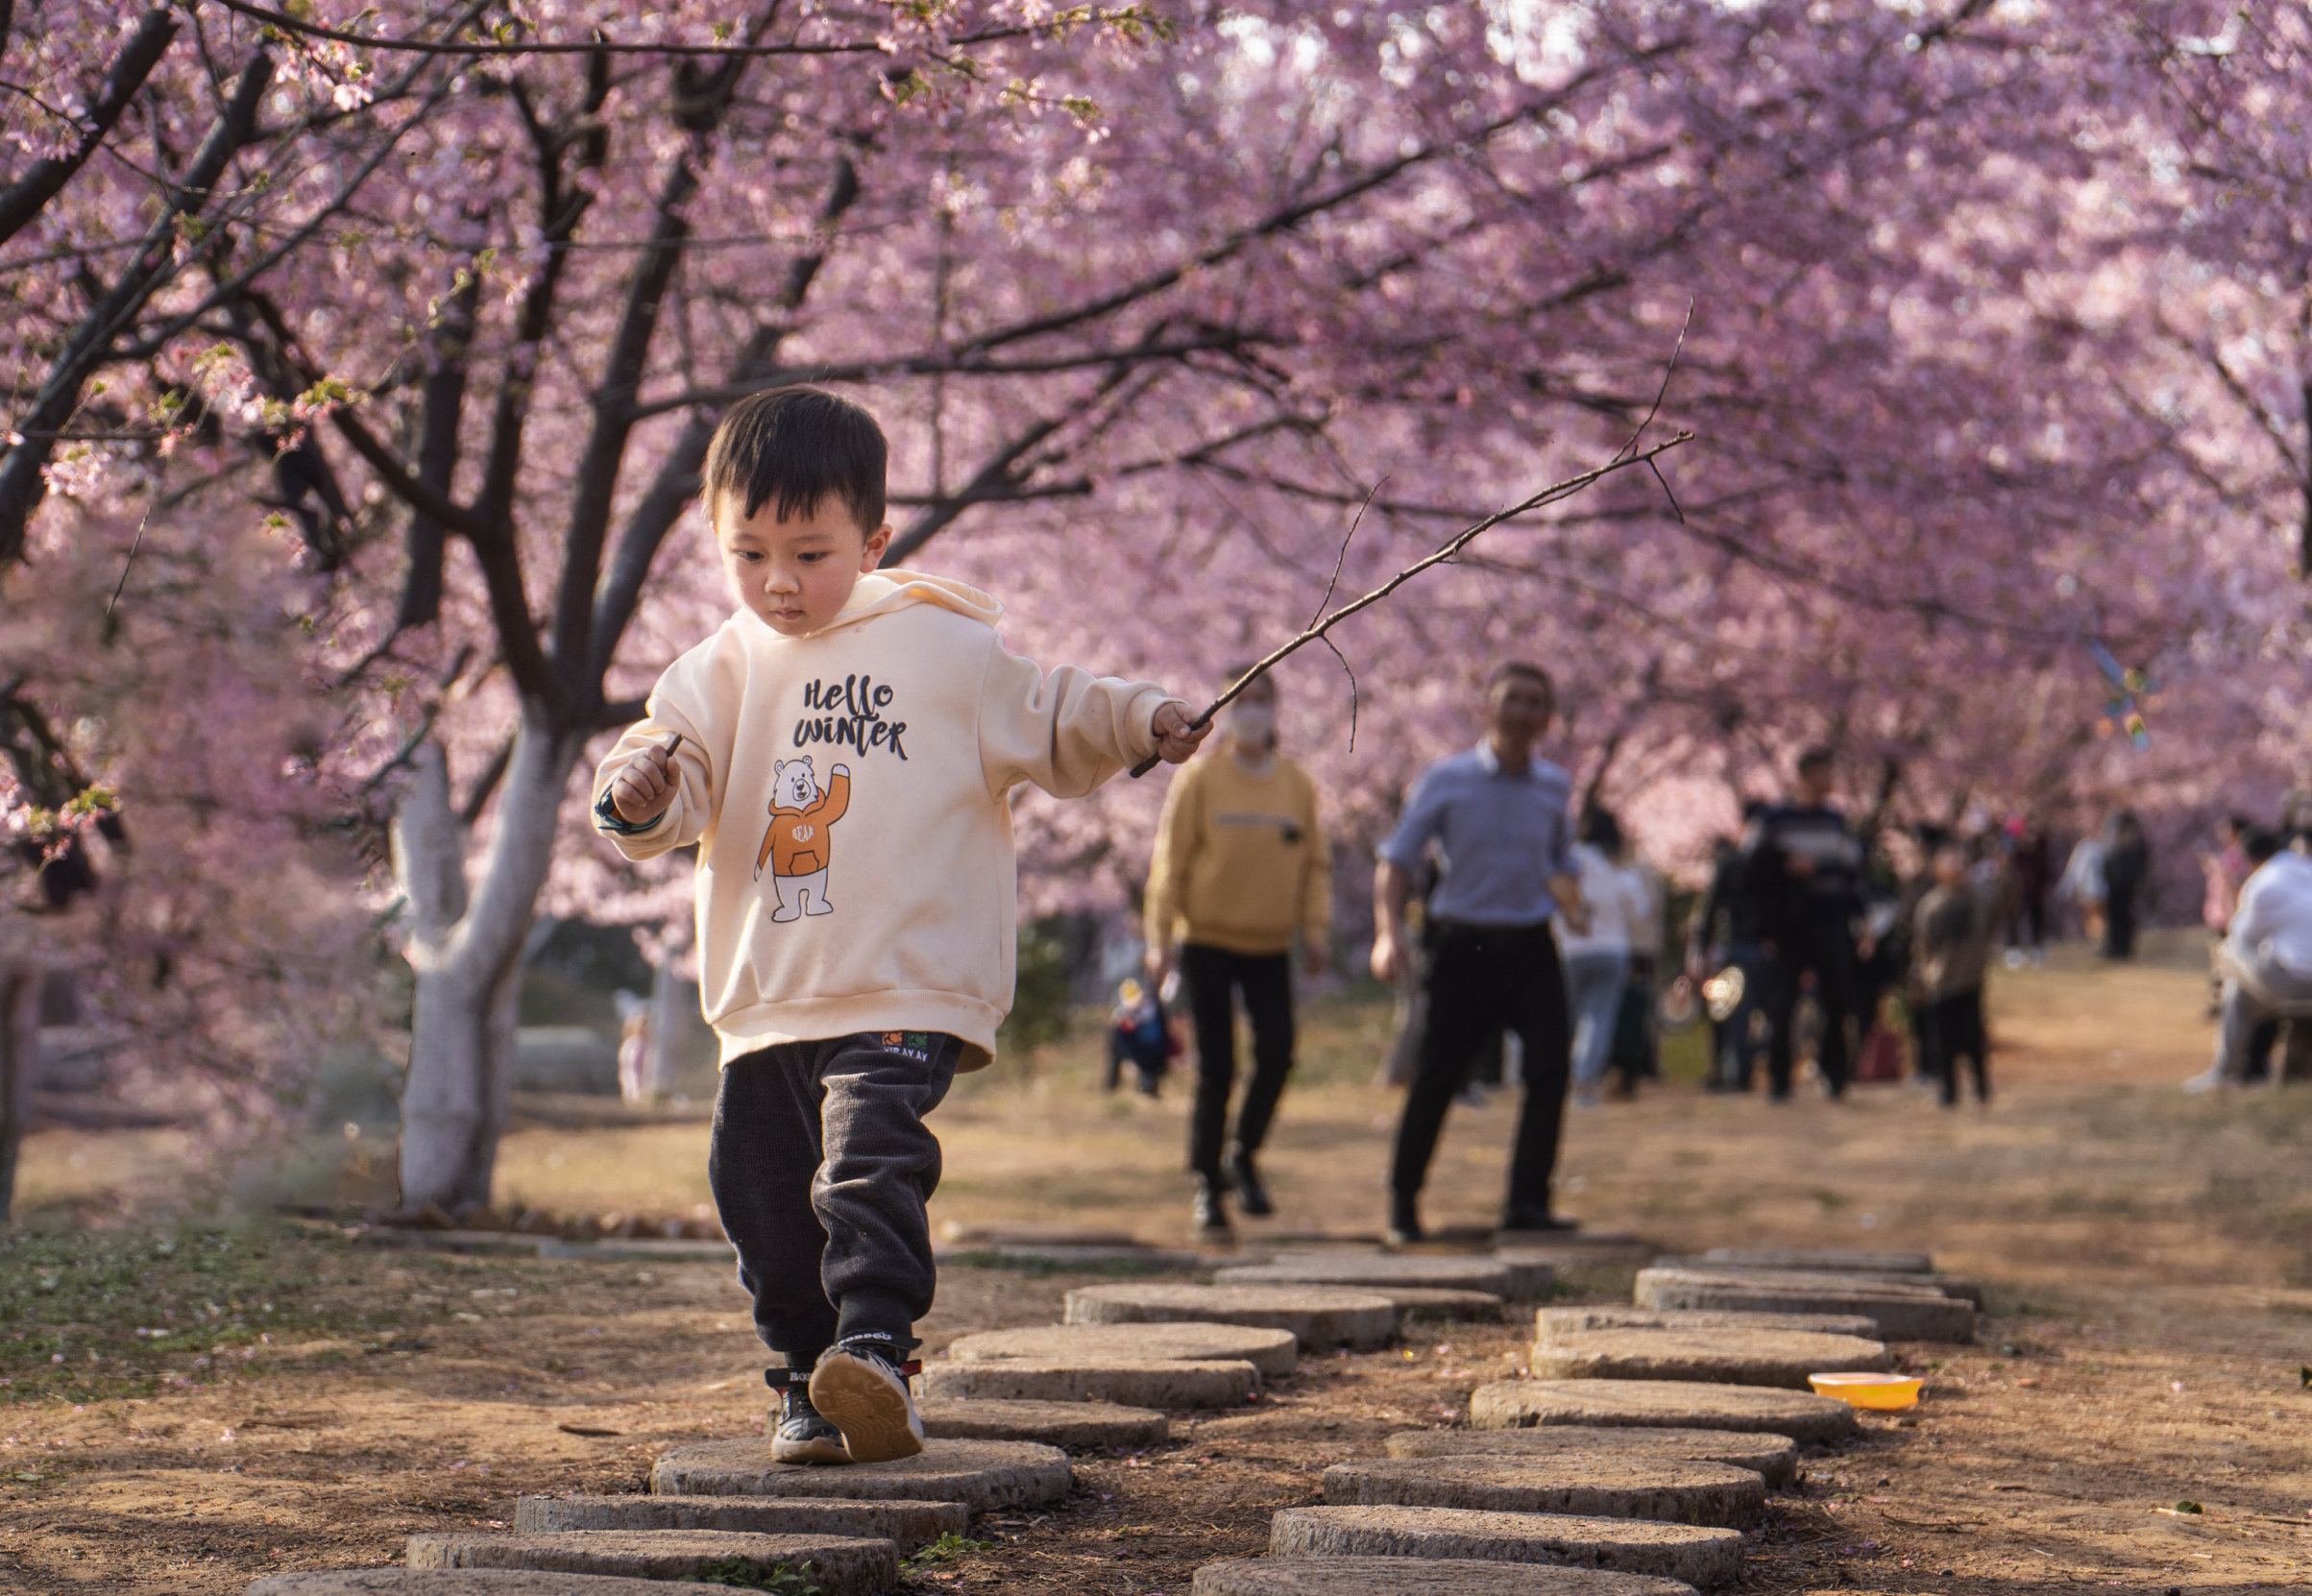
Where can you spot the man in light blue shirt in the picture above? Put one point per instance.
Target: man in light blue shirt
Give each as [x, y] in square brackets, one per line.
[1497, 817]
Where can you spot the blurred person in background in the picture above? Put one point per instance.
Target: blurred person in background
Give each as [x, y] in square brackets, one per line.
[1241, 863]
[1724, 942]
[2225, 872]
[1637, 1051]
[2083, 886]
[1806, 865]
[2127, 867]
[1597, 957]
[2035, 878]
[1953, 927]
[1496, 817]
[2268, 957]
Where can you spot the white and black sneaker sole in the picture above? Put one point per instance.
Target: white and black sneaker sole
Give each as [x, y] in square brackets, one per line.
[869, 1404]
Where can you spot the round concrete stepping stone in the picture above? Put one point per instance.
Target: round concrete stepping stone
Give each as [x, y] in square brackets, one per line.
[981, 1474]
[1069, 1424]
[1434, 1303]
[1417, 1577]
[1550, 1323]
[448, 1582]
[909, 1525]
[1272, 1352]
[1373, 1270]
[1318, 1316]
[1671, 1490]
[840, 1566]
[1904, 1313]
[1831, 1259]
[1772, 1457]
[1532, 1275]
[1670, 1404]
[1781, 1358]
[1700, 1557]
[1170, 1384]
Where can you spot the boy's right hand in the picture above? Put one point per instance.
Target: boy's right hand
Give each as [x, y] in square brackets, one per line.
[643, 789]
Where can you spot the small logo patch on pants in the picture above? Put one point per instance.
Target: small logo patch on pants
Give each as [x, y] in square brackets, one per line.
[908, 1044]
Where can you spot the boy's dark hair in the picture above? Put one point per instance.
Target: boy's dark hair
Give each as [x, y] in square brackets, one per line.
[2259, 844]
[792, 448]
[1511, 670]
[1816, 757]
[1237, 674]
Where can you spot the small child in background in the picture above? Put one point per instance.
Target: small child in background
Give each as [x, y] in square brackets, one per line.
[1140, 1036]
[1953, 927]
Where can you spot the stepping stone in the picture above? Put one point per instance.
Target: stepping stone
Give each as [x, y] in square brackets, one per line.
[1318, 1316]
[1169, 1383]
[1377, 1271]
[1417, 1577]
[448, 1582]
[1904, 1313]
[981, 1474]
[1827, 1260]
[1670, 1404]
[1030, 1234]
[1700, 1557]
[1941, 1284]
[1433, 1302]
[1550, 1323]
[840, 1566]
[1671, 1490]
[1273, 1352]
[1533, 1274]
[1774, 1459]
[909, 1525]
[1070, 1424]
[1781, 1358]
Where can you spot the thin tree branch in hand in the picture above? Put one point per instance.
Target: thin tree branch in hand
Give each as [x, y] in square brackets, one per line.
[1547, 496]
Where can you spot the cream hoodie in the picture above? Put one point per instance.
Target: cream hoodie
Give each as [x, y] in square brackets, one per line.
[849, 795]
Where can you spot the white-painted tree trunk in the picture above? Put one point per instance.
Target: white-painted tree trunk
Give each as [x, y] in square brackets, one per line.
[466, 945]
[664, 1064]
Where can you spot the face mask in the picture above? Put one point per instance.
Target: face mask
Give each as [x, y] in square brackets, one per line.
[1254, 725]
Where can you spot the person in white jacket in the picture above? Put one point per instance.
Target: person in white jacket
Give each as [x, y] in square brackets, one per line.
[2267, 955]
[1597, 958]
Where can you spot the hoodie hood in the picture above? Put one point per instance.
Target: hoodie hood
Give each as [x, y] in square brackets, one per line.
[882, 591]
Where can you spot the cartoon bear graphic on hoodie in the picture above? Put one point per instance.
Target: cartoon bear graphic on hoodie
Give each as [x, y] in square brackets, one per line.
[795, 847]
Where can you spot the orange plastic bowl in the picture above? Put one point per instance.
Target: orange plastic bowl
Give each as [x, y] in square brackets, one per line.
[1869, 1391]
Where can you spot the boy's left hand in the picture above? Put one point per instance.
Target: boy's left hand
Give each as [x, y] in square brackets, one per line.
[1176, 738]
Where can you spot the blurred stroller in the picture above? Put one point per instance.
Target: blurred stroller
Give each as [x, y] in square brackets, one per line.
[1141, 1035]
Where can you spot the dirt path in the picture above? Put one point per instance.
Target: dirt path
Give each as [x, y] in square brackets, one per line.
[2145, 1254]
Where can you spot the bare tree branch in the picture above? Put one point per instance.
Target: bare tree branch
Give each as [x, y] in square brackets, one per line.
[138, 54]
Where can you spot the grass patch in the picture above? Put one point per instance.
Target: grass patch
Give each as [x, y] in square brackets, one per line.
[947, 1549]
[747, 1575]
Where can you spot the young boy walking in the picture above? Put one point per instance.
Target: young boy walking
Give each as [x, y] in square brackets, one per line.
[841, 751]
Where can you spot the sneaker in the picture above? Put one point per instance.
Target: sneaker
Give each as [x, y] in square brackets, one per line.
[1251, 1196]
[1534, 1218]
[1212, 1213]
[1405, 1221]
[862, 1386]
[2209, 1080]
[798, 1432]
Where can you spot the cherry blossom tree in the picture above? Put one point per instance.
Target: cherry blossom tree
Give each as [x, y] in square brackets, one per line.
[1155, 303]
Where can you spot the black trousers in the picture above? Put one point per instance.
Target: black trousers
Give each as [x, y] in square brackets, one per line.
[2119, 922]
[821, 1165]
[1214, 976]
[1953, 1028]
[1482, 979]
[1825, 947]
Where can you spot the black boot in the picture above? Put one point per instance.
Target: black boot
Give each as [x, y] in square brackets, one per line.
[798, 1434]
[1251, 1196]
[1404, 1220]
[1211, 1208]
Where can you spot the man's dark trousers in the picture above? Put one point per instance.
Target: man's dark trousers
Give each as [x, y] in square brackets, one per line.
[821, 1165]
[1824, 945]
[1481, 978]
[1213, 976]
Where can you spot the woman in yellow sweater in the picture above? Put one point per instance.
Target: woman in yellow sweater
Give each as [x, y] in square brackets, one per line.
[1240, 864]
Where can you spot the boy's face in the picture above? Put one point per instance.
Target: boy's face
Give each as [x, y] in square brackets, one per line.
[797, 573]
[1950, 865]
